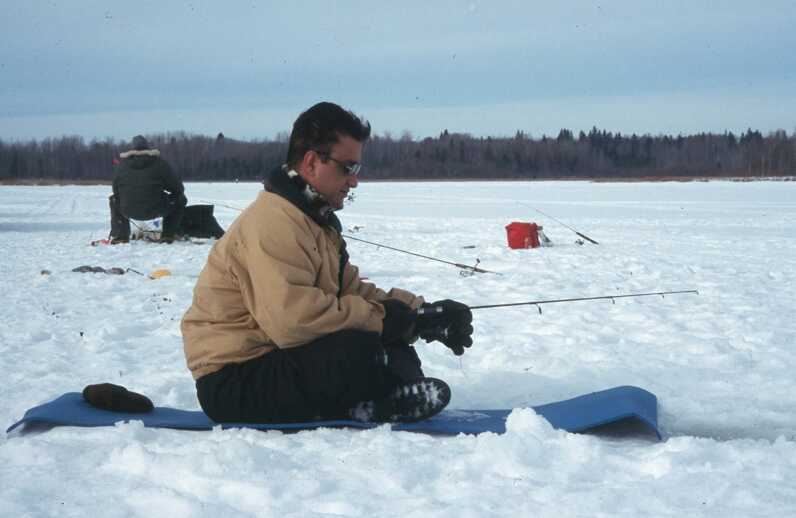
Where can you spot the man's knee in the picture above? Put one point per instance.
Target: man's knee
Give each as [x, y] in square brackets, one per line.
[348, 350]
[351, 342]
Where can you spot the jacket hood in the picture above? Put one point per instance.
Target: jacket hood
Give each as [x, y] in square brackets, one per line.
[139, 159]
[140, 152]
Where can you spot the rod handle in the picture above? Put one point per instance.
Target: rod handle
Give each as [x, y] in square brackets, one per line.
[590, 240]
[428, 311]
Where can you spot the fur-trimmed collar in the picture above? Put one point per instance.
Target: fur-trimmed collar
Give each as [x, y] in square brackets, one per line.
[313, 197]
[289, 185]
[140, 152]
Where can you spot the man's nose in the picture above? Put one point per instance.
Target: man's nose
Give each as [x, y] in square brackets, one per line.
[353, 180]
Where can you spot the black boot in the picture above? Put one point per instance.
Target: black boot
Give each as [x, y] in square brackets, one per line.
[120, 224]
[407, 403]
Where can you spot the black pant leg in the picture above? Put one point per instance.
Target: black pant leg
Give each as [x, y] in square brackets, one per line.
[320, 380]
[120, 224]
[343, 369]
[404, 362]
[261, 390]
[174, 207]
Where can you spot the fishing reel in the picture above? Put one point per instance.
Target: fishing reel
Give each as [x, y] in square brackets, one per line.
[469, 271]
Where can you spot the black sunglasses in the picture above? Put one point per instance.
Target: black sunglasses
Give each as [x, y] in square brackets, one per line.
[351, 169]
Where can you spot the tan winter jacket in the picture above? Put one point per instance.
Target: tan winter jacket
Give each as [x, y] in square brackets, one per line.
[273, 281]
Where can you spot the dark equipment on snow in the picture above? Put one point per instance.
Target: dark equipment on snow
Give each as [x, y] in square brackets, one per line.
[198, 221]
[99, 269]
[466, 269]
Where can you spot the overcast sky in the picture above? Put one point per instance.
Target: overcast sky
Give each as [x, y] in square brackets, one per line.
[247, 69]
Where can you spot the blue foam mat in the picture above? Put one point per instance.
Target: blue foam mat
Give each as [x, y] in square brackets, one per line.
[579, 414]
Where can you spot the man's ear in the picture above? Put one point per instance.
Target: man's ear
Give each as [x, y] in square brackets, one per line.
[308, 169]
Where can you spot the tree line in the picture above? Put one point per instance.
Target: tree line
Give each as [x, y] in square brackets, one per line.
[596, 154]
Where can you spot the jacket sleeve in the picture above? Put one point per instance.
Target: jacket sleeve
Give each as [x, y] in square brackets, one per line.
[172, 182]
[353, 284]
[277, 280]
[115, 183]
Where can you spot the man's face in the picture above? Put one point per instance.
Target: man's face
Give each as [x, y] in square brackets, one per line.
[327, 174]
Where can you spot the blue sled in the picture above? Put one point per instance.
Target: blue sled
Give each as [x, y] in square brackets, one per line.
[618, 405]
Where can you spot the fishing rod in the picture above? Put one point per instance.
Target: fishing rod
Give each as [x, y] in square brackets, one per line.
[537, 303]
[474, 269]
[587, 238]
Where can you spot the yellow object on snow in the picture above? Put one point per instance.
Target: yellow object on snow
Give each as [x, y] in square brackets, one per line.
[157, 274]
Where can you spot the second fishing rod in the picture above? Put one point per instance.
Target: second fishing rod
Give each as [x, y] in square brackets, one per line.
[538, 303]
[443, 330]
[584, 236]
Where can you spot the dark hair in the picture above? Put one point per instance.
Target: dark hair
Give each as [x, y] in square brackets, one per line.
[320, 127]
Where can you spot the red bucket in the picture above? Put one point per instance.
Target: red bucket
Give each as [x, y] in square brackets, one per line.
[522, 235]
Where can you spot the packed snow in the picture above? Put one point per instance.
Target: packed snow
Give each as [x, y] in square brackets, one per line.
[721, 362]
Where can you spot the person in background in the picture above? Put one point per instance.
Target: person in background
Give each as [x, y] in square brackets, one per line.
[145, 187]
[283, 329]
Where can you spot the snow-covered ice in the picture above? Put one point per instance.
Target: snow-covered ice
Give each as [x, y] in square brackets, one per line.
[722, 362]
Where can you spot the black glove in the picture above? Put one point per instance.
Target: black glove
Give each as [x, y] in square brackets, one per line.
[116, 398]
[446, 321]
[399, 322]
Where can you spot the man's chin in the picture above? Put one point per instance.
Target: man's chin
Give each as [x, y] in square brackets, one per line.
[340, 203]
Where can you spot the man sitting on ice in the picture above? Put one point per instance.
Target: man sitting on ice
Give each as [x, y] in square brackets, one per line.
[145, 187]
[283, 329]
